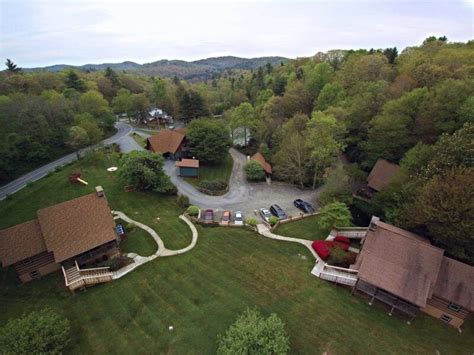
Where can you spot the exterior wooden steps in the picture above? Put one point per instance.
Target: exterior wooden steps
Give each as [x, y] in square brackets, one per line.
[75, 277]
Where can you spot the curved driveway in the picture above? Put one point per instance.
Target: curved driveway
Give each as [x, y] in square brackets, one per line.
[242, 195]
[121, 137]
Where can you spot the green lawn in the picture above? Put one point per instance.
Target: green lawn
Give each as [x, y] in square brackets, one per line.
[139, 139]
[138, 241]
[214, 172]
[306, 228]
[200, 293]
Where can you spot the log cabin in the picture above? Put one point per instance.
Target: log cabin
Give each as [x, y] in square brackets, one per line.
[68, 236]
[408, 273]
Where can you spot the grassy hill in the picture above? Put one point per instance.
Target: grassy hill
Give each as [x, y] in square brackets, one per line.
[195, 70]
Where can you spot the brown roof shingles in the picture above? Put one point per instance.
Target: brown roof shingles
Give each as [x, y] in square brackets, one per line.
[456, 283]
[188, 163]
[381, 174]
[166, 141]
[400, 262]
[258, 157]
[75, 226]
[20, 242]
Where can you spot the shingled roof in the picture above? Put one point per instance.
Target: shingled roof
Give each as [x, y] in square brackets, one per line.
[381, 174]
[188, 163]
[399, 262]
[73, 227]
[21, 242]
[259, 158]
[66, 229]
[166, 141]
[456, 283]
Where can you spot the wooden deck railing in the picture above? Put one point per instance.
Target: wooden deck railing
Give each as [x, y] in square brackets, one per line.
[76, 277]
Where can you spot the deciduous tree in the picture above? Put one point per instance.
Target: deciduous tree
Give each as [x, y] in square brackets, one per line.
[252, 333]
[144, 171]
[208, 140]
[40, 332]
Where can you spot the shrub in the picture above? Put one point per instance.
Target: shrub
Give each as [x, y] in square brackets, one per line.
[130, 227]
[251, 222]
[183, 201]
[273, 220]
[341, 258]
[254, 171]
[193, 210]
[254, 334]
[43, 332]
[212, 185]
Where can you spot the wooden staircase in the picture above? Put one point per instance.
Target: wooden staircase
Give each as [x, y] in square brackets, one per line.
[75, 277]
[335, 274]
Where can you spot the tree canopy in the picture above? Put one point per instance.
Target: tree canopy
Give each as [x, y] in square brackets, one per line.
[209, 140]
[40, 332]
[144, 171]
[252, 333]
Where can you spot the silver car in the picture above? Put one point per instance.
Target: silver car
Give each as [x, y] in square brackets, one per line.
[265, 214]
[238, 218]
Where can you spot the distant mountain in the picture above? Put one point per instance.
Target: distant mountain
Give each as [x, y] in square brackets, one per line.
[196, 70]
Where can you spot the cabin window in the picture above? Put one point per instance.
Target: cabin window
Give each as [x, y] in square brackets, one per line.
[454, 307]
[27, 261]
[445, 318]
[34, 274]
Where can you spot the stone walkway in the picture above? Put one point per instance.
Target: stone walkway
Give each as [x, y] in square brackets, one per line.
[161, 251]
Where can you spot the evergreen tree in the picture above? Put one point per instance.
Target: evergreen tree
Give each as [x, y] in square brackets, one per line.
[12, 67]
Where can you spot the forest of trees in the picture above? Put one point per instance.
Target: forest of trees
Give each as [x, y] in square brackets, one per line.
[414, 108]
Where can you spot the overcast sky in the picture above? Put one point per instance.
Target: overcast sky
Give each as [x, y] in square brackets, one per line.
[44, 32]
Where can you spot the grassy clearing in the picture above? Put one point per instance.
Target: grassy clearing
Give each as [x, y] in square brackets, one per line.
[201, 292]
[159, 212]
[140, 242]
[139, 139]
[214, 172]
[307, 228]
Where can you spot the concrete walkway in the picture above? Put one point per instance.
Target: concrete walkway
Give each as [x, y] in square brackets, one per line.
[262, 229]
[161, 250]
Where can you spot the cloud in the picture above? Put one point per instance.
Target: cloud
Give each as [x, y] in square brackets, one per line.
[44, 32]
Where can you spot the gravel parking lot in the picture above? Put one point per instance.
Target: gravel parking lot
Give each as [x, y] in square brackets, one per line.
[243, 196]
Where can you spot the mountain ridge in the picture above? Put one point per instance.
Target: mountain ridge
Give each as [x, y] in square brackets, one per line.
[200, 69]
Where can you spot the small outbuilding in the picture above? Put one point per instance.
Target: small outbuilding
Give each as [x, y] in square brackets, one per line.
[259, 158]
[381, 174]
[188, 167]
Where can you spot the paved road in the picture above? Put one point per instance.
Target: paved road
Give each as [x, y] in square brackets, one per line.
[121, 137]
[242, 195]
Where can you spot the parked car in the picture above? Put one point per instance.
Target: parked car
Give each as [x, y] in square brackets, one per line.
[265, 214]
[238, 218]
[303, 206]
[209, 216]
[277, 211]
[225, 217]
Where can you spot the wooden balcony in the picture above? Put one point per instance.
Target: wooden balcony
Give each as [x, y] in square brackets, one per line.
[75, 277]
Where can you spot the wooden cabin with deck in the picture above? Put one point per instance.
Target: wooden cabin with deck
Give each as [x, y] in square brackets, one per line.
[408, 273]
[69, 236]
